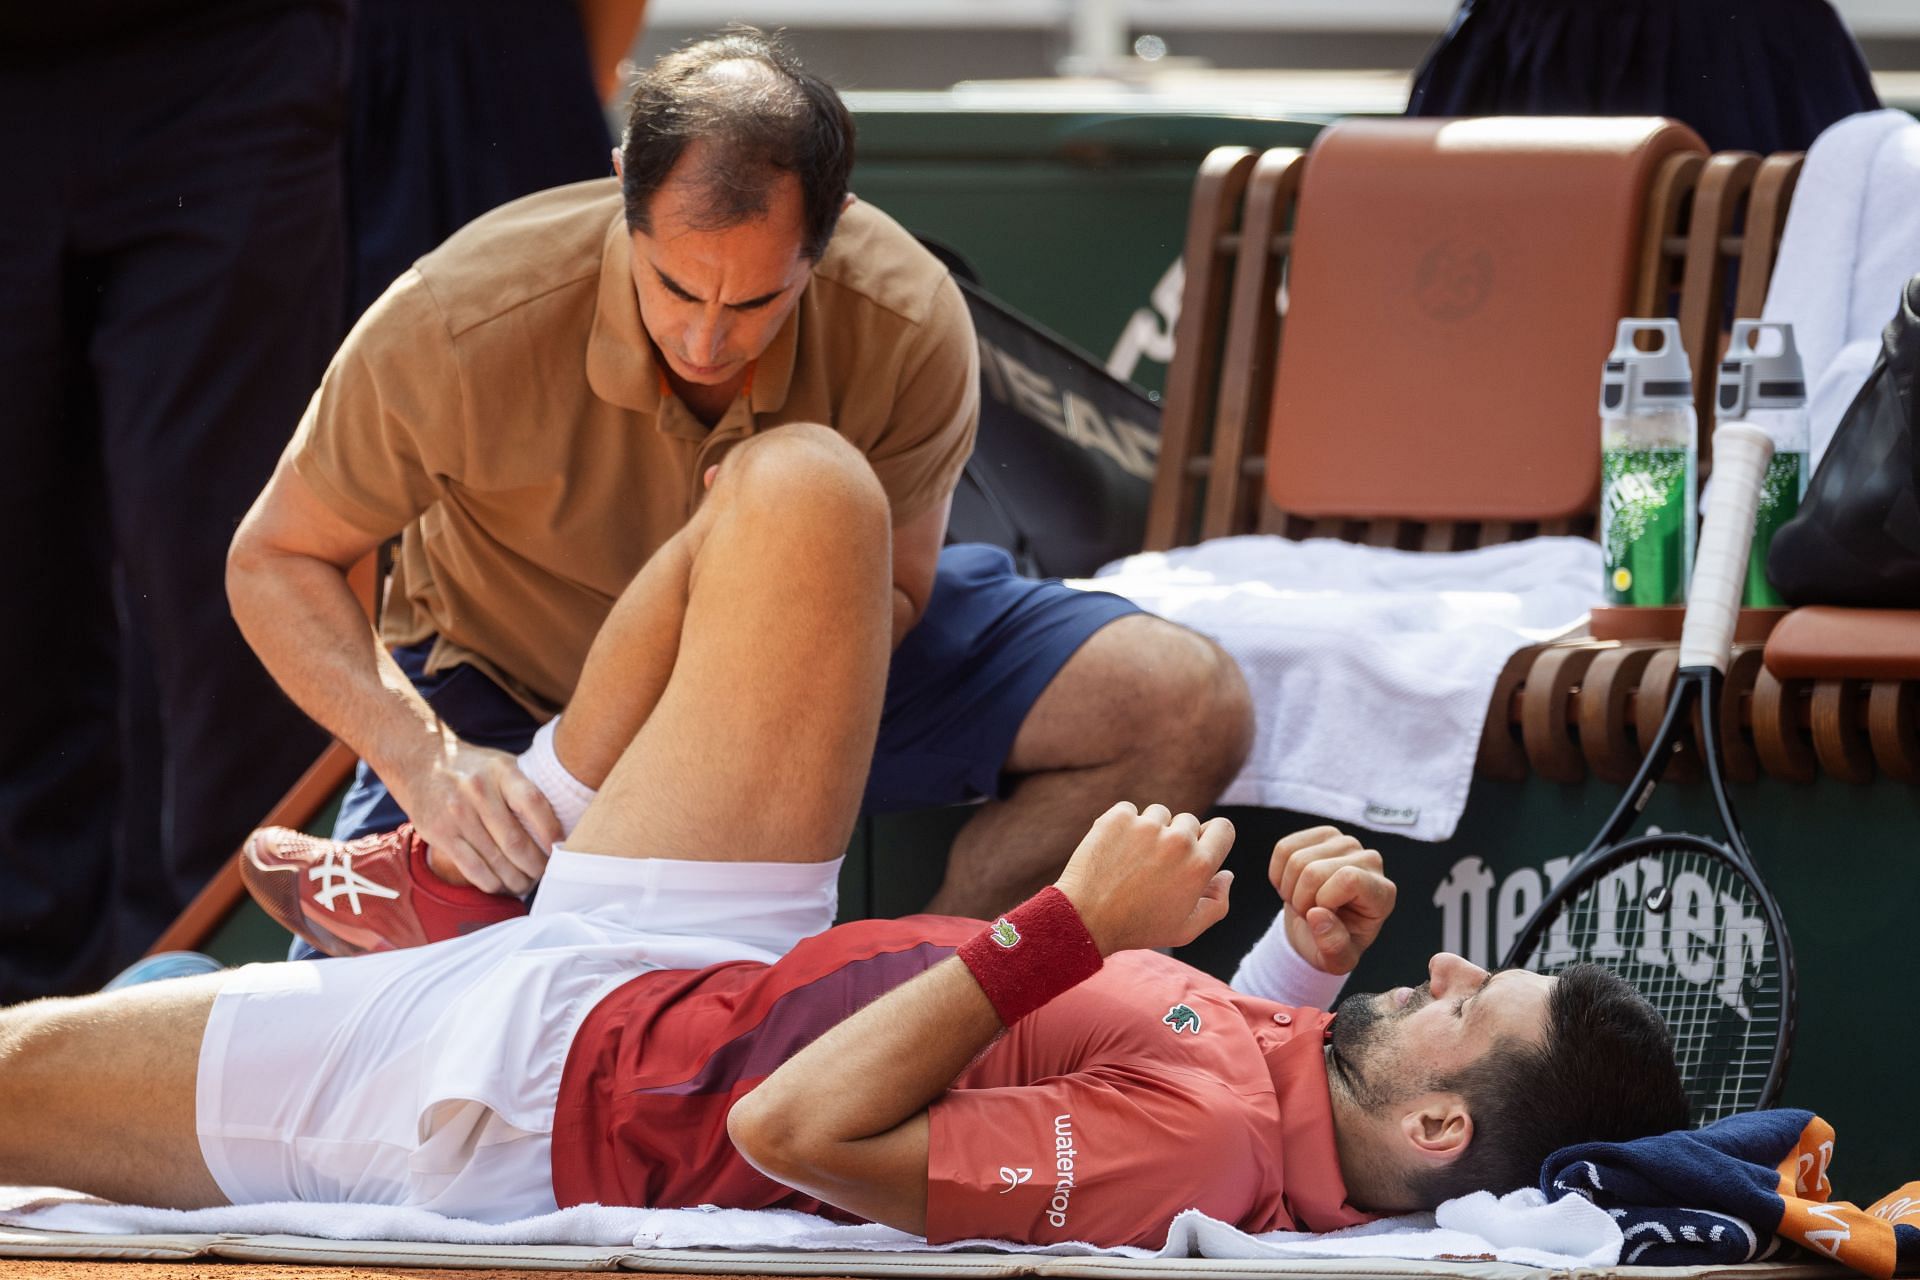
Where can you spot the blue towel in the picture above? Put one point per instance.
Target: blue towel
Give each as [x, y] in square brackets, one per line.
[1733, 1192]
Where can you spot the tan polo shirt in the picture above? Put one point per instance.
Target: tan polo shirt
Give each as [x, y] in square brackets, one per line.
[502, 405]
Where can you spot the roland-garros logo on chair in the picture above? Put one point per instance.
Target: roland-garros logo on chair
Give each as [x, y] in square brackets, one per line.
[1453, 280]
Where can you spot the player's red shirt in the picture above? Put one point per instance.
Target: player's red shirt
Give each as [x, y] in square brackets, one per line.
[1148, 1089]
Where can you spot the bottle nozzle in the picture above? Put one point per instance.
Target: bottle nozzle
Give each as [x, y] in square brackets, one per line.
[1635, 379]
[1761, 370]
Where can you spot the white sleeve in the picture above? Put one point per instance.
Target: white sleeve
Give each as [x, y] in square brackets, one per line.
[1273, 970]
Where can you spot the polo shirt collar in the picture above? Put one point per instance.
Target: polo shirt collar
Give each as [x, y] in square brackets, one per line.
[1315, 1192]
[623, 367]
[773, 372]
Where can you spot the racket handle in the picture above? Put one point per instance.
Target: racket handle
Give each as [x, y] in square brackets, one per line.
[1740, 455]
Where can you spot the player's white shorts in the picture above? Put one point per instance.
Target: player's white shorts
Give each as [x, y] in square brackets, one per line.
[428, 1077]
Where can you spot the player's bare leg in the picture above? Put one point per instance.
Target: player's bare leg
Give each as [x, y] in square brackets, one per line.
[733, 695]
[745, 664]
[97, 1093]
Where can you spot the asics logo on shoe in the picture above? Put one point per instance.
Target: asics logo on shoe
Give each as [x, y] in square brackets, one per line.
[337, 877]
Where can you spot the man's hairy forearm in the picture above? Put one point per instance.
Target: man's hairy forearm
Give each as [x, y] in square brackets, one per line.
[302, 619]
[864, 1148]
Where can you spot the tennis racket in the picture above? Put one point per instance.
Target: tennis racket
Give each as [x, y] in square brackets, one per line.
[1683, 918]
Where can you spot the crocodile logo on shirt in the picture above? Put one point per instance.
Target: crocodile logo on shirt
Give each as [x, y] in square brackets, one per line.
[1004, 933]
[1181, 1018]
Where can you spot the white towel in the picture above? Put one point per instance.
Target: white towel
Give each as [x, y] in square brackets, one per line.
[1851, 242]
[1519, 1227]
[1370, 668]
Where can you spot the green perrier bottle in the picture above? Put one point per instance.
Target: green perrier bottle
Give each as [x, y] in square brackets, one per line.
[1761, 382]
[1648, 461]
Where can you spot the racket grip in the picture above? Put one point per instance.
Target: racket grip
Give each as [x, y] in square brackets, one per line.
[1740, 455]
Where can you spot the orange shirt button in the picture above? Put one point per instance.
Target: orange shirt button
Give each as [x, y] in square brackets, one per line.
[1284, 1019]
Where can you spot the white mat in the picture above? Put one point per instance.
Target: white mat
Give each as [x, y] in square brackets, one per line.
[1520, 1228]
[1370, 668]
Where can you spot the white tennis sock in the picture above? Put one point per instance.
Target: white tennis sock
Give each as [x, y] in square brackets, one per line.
[567, 794]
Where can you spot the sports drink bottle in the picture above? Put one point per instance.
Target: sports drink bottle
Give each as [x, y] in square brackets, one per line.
[1649, 458]
[1761, 382]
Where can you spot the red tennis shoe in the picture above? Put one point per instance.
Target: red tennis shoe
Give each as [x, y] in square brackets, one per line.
[376, 893]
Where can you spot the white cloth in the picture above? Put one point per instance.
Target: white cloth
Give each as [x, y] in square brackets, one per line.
[1851, 242]
[1519, 1227]
[427, 1078]
[1370, 668]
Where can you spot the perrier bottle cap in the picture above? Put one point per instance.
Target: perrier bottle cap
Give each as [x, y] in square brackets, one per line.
[1761, 370]
[1636, 381]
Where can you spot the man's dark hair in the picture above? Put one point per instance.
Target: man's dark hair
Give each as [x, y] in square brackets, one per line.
[1605, 1073]
[759, 113]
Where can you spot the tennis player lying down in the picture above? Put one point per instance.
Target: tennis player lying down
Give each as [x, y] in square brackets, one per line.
[675, 1024]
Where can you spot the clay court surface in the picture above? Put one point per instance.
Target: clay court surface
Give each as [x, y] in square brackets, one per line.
[38, 1269]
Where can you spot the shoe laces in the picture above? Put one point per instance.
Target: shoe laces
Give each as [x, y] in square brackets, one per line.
[337, 878]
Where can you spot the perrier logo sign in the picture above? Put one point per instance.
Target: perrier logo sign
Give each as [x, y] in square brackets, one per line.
[1004, 933]
[1181, 1018]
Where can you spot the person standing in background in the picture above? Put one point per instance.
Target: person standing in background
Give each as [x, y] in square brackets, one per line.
[172, 263]
[458, 106]
[1747, 75]
[211, 194]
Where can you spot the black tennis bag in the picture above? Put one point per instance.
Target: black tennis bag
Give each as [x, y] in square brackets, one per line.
[1063, 464]
[1856, 540]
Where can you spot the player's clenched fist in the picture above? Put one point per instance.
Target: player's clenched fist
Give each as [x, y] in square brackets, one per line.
[1149, 878]
[1334, 893]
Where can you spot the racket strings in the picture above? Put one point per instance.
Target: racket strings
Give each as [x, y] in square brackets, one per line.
[1688, 930]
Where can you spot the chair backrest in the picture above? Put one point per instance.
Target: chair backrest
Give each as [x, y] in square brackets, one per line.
[1453, 285]
[1432, 382]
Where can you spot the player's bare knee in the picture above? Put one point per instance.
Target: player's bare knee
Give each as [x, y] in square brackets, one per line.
[805, 469]
[783, 451]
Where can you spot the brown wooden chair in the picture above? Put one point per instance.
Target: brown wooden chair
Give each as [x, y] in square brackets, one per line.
[1339, 336]
[1306, 396]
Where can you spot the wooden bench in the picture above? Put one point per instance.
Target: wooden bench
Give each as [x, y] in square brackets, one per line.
[1251, 424]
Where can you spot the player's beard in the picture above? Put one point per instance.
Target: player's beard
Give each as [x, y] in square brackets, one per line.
[1362, 1033]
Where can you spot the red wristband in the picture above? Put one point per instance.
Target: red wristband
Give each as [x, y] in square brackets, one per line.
[1033, 953]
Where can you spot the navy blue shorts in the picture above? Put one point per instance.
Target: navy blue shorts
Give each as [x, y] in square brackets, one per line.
[958, 691]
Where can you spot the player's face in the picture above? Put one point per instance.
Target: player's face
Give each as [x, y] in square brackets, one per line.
[712, 300]
[1398, 1043]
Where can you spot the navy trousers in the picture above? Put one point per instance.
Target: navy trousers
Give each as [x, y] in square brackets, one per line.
[171, 260]
[457, 106]
[1753, 75]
